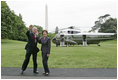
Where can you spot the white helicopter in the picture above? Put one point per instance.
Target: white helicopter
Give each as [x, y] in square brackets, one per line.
[71, 36]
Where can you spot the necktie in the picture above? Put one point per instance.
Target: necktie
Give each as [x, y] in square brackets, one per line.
[34, 38]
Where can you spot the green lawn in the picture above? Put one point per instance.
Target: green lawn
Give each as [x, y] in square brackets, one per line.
[93, 56]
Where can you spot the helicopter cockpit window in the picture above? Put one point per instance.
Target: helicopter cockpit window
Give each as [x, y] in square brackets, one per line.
[72, 32]
[75, 32]
[69, 32]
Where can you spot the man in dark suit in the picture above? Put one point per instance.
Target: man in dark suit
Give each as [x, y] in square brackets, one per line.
[31, 48]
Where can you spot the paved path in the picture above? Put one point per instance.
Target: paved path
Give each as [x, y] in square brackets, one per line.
[62, 73]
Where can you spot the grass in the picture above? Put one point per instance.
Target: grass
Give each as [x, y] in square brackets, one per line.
[93, 56]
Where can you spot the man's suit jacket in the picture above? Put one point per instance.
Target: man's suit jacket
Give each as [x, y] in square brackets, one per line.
[31, 46]
[46, 45]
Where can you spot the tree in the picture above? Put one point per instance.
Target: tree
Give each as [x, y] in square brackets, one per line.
[110, 26]
[56, 30]
[51, 35]
[102, 19]
[12, 25]
[5, 20]
[105, 24]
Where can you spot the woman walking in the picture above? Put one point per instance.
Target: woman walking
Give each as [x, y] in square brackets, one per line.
[45, 48]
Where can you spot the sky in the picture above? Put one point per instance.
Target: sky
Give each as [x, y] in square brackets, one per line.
[64, 13]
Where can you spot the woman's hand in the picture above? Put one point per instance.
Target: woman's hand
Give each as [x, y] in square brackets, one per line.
[37, 33]
[48, 55]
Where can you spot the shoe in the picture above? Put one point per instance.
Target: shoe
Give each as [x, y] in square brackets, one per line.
[36, 72]
[47, 73]
[43, 73]
[22, 72]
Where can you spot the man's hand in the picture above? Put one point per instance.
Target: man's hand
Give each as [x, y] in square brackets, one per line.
[48, 55]
[37, 33]
[30, 27]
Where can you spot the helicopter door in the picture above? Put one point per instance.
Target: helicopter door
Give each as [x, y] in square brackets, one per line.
[62, 43]
[84, 40]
